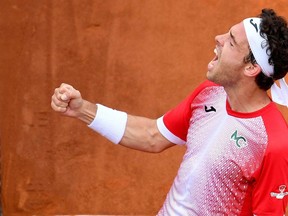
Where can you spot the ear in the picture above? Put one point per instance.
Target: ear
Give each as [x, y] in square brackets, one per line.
[252, 70]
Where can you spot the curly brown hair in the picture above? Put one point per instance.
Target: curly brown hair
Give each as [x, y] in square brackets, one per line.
[276, 31]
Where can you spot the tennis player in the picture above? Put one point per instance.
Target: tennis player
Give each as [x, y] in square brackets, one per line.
[236, 162]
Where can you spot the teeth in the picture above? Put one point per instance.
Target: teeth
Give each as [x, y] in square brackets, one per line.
[215, 51]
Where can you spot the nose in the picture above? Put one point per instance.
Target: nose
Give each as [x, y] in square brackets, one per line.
[220, 39]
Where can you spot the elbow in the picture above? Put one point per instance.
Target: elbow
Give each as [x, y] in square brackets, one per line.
[156, 142]
[155, 148]
[156, 145]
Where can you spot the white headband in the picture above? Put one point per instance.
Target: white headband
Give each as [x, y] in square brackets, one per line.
[259, 45]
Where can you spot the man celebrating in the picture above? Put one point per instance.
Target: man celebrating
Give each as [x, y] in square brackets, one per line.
[236, 162]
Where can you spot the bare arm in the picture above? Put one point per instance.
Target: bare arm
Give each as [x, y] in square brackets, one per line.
[143, 134]
[140, 133]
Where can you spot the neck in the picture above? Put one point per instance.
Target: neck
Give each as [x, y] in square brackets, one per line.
[247, 99]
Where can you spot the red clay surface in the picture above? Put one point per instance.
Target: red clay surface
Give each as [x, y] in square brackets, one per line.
[139, 56]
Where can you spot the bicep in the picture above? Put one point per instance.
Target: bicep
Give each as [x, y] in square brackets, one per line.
[143, 134]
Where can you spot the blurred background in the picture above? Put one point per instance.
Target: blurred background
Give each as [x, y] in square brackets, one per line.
[140, 56]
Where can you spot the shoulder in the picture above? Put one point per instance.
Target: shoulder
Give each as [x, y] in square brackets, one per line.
[273, 175]
[276, 128]
[204, 90]
[206, 84]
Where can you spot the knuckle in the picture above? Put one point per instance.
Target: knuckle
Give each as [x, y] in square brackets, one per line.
[59, 109]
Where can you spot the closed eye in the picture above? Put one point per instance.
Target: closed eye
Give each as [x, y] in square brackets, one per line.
[233, 39]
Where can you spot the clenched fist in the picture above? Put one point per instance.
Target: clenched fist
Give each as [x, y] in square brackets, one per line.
[67, 100]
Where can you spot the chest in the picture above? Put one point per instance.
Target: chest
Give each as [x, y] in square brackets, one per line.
[216, 140]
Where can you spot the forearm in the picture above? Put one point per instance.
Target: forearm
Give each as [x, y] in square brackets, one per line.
[134, 132]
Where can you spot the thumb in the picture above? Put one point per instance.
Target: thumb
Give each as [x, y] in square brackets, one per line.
[71, 95]
[66, 92]
[64, 97]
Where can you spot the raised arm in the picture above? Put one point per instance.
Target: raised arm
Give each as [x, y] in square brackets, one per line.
[140, 133]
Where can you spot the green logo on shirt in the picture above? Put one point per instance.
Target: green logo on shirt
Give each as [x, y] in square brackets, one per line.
[240, 141]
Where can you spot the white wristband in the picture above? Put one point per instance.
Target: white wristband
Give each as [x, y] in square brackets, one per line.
[109, 123]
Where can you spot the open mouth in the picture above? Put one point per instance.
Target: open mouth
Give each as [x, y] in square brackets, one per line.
[214, 61]
[216, 55]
